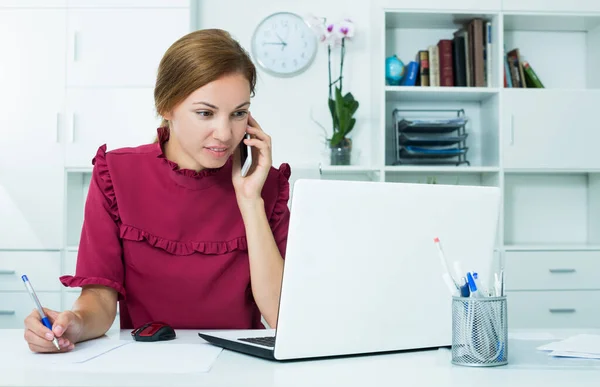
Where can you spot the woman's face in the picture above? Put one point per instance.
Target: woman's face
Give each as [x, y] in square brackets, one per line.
[210, 123]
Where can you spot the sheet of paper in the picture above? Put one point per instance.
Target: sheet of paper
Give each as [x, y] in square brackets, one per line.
[83, 352]
[156, 357]
[582, 355]
[584, 345]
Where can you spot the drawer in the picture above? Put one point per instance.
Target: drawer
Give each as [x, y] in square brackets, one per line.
[552, 270]
[42, 268]
[15, 306]
[71, 296]
[560, 310]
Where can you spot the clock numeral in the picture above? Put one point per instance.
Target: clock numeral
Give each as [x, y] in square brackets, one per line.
[273, 61]
[283, 64]
[305, 44]
[267, 34]
[296, 28]
[266, 53]
[284, 23]
[302, 56]
[295, 62]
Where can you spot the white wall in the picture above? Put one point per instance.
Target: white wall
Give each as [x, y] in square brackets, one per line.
[283, 106]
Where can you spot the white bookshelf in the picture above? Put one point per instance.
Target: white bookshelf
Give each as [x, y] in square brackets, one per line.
[537, 145]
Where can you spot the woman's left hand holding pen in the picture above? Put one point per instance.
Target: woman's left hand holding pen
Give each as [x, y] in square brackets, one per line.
[66, 327]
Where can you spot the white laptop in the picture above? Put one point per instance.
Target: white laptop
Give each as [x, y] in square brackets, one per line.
[362, 274]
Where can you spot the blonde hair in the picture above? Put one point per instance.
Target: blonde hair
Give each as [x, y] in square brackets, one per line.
[195, 60]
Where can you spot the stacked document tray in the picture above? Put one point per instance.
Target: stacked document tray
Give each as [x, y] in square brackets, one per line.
[430, 141]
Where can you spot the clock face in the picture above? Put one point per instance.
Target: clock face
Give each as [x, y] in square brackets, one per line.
[283, 44]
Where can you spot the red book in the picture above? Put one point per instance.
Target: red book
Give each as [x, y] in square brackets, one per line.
[446, 63]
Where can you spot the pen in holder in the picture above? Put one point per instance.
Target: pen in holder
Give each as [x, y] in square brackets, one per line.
[479, 331]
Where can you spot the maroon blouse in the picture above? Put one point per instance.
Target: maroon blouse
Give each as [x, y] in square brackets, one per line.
[172, 241]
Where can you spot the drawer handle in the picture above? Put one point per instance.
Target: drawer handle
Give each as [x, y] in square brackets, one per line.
[562, 310]
[7, 272]
[561, 271]
[7, 312]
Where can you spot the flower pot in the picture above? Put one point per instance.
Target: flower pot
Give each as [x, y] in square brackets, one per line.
[341, 153]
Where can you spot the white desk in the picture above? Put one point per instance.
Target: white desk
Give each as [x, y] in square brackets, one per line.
[527, 367]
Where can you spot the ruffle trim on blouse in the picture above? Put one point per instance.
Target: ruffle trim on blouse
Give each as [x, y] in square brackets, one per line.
[79, 281]
[99, 161]
[281, 204]
[172, 246]
[163, 136]
[182, 247]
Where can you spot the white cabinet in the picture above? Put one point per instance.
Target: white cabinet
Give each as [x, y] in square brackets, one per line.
[553, 310]
[126, 117]
[32, 76]
[463, 5]
[126, 3]
[551, 129]
[33, 3]
[41, 267]
[31, 199]
[552, 270]
[15, 306]
[31, 153]
[551, 5]
[120, 47]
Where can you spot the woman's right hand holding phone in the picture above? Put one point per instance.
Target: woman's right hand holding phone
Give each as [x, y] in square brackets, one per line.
[66, 327]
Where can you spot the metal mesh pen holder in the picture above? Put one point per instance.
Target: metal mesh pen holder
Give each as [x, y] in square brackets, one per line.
[479, 331]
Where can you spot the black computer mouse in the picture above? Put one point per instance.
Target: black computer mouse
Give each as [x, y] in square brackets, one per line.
[153, 331]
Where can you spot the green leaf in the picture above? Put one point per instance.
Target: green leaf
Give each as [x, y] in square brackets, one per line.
[351, 125]
[353, 107]
[337, 137]
[333, 114]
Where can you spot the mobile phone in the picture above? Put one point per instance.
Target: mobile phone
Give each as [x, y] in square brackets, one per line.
[245, 156]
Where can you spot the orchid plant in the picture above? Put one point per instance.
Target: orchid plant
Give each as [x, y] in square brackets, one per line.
[342, 107]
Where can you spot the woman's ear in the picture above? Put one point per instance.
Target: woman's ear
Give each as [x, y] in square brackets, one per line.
[167, 116]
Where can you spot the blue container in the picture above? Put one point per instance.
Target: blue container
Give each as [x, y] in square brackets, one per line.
[394, 70]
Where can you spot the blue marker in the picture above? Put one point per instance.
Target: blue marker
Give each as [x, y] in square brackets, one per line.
[472, 285]
[36, 301]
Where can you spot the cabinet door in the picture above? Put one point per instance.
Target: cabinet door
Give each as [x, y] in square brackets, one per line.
[32, 78]
[120, 47]
[116, 117]
[551, 5]
[31, 154]
[551, 129]
[31, 199]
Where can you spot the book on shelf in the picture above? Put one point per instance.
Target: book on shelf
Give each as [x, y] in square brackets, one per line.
[463, 59]
[518, 73]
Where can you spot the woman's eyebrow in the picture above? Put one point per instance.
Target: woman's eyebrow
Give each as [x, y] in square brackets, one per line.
[214, 107]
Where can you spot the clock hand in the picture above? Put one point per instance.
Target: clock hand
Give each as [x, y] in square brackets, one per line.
[276, 43]
[278, 37]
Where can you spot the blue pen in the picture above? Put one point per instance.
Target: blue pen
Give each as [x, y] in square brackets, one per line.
[36, 301]
[464, 288]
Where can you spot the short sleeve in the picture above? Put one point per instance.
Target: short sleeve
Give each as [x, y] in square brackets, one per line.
[280, 219]
[99, 257]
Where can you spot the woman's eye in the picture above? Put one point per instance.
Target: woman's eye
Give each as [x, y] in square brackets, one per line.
[240, 114]
[204, 113]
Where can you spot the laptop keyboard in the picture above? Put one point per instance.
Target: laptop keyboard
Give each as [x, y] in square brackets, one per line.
[267, 341]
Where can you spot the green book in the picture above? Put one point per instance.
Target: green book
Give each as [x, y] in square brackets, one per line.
[532, 76]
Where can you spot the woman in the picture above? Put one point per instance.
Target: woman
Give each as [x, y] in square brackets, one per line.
[172, 231]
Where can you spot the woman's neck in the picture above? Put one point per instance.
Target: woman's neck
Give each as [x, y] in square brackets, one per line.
[175, 153]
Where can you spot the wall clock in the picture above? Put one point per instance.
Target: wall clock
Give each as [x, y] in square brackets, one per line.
[283, 44]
